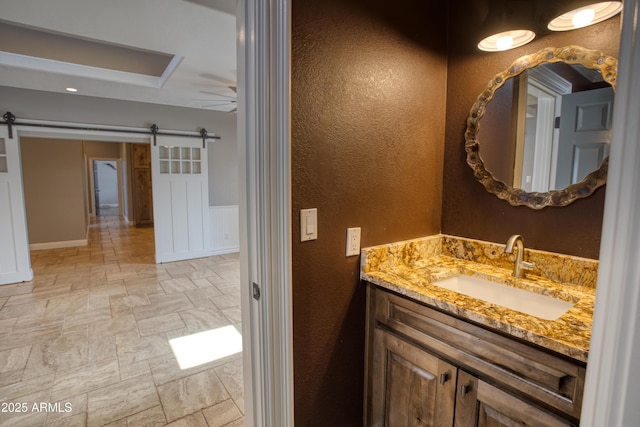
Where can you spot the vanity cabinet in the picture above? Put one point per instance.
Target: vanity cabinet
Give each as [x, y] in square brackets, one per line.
[478, 403]
[428, 368]
[410, 387]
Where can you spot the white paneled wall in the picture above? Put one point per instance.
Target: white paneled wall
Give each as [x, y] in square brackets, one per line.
[225, 237]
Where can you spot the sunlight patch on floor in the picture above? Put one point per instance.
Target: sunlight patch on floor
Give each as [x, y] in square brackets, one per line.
[203, 347]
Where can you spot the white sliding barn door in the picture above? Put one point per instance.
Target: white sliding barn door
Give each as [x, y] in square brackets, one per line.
[15, 265]
[180, 199]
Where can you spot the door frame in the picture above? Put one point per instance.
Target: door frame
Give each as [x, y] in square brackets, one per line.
[264, 51]
[613, 381]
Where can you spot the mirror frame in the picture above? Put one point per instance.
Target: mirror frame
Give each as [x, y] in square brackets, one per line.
[608, 67]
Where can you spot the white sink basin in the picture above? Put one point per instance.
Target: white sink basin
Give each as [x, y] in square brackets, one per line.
[542, 306]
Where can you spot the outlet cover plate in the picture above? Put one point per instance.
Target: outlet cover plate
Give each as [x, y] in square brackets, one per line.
[353, 241]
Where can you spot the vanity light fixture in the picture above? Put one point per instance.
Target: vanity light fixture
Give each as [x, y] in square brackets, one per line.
[585, 15]
[71, 89]
[506, 40]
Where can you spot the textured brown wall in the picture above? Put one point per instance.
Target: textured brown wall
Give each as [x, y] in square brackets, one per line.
[368, 98]
[468, 210]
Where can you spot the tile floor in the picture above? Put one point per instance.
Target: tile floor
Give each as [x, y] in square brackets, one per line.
[86, 342]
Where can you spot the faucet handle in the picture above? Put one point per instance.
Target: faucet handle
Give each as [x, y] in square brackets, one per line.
[528, 265]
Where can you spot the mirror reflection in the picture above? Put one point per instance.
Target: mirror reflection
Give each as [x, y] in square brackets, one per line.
[538, 134]
[548, 127]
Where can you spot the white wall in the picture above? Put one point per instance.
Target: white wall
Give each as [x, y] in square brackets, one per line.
[107, 183]
[225, 229]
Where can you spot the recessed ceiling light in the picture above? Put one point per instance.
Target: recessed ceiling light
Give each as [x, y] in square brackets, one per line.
[71, 89]
[506, 40]
[586, 15]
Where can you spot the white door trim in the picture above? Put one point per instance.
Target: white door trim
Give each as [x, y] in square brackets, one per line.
[613, 380]
[264, 34]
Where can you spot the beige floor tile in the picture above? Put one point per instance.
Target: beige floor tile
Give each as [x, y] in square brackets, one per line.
[177, 285]
[158, 324]
[10, 377]
[222, 414]
[191, 394]
[121, 400]
[9, 311]
[147, 285]
[204, 318]
[7, 324]
[14, 359]
[200, 297]
[231, 376]
[143, 348]
[85, 378]
[134, 370]
[74, 407]
[101, 348]
[79, 420]
[92, 330]
[64, 352]
[193, 420]
[233, 314]
[60, 306]
[19, 338]
[24, 419]
[113, 326]
[226, 301]
[166, 369]
[16, 391]
[40, 293]
[151, 417]
[35, 322]
[87, 317]
[125, 303]
[163, 304]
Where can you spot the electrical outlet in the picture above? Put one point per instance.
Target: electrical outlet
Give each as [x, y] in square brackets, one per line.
[353, 241]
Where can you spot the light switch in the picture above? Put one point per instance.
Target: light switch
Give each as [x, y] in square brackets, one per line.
[308, 224]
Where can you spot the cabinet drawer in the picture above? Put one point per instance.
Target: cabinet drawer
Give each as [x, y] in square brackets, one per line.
[554, 382]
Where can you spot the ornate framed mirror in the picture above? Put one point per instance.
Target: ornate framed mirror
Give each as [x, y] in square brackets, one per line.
[546, 125]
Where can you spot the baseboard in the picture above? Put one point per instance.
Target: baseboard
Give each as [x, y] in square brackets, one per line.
[57, 245]
[224, 251]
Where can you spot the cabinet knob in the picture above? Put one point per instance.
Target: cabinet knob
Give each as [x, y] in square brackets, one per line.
[444, 377]
[465, 389]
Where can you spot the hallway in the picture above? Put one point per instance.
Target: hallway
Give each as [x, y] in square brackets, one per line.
[86, 343]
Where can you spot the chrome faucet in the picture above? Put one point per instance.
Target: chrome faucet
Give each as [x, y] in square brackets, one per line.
[520, 264]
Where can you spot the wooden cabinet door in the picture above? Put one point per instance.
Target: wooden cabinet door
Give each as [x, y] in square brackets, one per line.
[142, 190]
[479, 404]
[410, 386]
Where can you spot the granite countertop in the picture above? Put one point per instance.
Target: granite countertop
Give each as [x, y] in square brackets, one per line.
[409, 268]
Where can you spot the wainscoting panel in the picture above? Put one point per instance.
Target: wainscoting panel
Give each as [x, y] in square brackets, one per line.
[225, 223]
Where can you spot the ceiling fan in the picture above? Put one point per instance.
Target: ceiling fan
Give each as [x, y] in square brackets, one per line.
[221, 101]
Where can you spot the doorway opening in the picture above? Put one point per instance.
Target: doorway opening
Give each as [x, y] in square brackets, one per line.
[106, 194]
